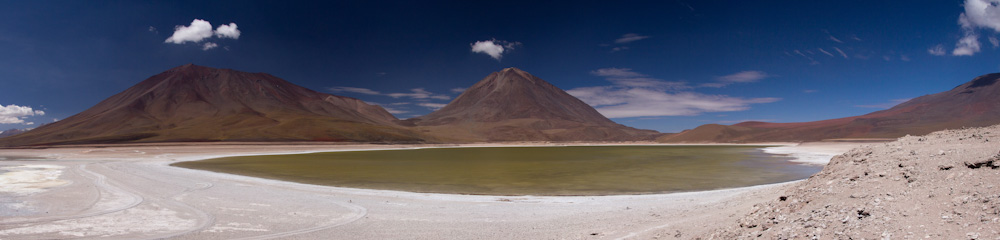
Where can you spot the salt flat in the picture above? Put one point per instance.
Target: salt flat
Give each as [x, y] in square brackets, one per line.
[130, 192]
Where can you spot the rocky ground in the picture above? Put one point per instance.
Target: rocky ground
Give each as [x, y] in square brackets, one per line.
[945, 185]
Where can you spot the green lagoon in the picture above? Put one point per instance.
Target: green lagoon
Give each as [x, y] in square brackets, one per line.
[575, 170]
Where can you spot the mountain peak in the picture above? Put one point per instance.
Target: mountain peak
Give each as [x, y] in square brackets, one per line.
[511, 69]
[514, 105]
[197, 103]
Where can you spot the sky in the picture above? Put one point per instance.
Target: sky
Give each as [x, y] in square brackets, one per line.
[664, 65]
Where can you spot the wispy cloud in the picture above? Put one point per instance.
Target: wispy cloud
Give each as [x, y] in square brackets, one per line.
[740, 77]
[841, 52]
[810, 91]
[208, 45]
[624, 39]
[745, 120]
[937, 50]
[419, 93]
[393, 110]
[832, 38]
[355, 90]
[885, 105]
[14, 114]
[627, 78]
[494, 48]
[458, 90]
[416, 93]
[630, 37]
[650, 97]
[432, 106]
[200, 30]
[825, 52]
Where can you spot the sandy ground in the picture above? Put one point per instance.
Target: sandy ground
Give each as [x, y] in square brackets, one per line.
[130, 192]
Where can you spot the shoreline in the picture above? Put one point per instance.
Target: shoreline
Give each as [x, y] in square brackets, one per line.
[200, 203]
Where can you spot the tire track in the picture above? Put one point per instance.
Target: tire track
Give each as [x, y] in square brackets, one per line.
[101, 182]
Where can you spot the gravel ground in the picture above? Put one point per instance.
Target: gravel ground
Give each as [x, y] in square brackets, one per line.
[945, 185]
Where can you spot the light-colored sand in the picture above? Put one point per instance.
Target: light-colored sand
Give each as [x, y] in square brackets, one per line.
[130, 192]
[945, 185]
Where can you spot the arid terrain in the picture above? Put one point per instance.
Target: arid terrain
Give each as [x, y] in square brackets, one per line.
[129, 192]
[945, 185]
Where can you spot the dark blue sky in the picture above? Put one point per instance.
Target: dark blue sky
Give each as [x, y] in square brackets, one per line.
[663, 65]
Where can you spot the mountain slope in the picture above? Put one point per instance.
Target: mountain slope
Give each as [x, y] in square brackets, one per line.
[11, 132]
[973, 104]
[195, 103]
[513, 105]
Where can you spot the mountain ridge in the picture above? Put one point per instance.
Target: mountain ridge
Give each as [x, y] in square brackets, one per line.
[971, 104]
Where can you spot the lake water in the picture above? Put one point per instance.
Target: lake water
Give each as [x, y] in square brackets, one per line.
[577, 170]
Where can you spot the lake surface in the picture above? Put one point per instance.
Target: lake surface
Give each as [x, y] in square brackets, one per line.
[577, 170]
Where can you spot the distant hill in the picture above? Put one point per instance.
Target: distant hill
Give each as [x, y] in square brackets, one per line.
[11, 132]
[973, 104]
[195, 103]
[513, 105]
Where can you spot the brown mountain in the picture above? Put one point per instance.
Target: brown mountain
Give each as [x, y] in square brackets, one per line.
[11, 132]
[513, 105]
[973, 104]
[195, 103]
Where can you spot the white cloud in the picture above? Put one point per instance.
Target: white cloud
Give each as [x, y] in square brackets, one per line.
[354, 90]
[458, 90]
[494, 48]
[937, 50]
[14, 114]
[978, 14]
[196, 32]
[967, 46]
[885, 105]
[200, 30]
[638, 95]
[432, 106]
[994, 41]
[904, 58]
[227, 31]
[208, 45]
[981, 13]
[630, 37]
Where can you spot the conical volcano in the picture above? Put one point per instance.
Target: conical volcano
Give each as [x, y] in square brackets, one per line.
[973, 104]
[195, 103]
[513, 105]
